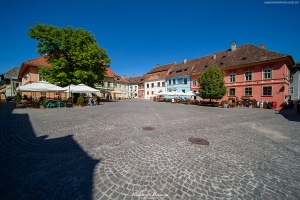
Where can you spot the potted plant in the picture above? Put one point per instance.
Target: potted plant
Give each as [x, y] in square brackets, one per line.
[80, 101]
[225, 103]
[17, 98]
[42, 106]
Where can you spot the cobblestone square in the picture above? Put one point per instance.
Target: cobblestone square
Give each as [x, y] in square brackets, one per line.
[107, 152]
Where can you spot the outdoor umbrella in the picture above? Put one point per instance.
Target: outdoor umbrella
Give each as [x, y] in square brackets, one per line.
[81, 88]
[41, 86]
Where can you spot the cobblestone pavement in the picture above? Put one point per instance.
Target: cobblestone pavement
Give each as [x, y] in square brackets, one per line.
[102, 152]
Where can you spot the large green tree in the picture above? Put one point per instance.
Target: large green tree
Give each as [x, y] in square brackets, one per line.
[212, 85]
[74, 55]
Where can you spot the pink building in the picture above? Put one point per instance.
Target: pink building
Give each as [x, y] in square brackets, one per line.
[251, 72]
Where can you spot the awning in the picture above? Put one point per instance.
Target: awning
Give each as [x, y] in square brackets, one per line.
[245, 98]
[104, 91]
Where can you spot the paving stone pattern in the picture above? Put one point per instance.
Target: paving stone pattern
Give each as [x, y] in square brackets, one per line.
[102, 152]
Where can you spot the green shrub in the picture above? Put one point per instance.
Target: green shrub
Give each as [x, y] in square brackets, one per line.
[80, 100]
[17, 98]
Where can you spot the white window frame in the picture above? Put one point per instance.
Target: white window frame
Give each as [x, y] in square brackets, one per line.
[195, 82]
[162, 84]
[245, 77]
[180, 80]
[230, 78]
[158, 84]
[291, 89]
[185, 81]
[152, 85]
[264, 71]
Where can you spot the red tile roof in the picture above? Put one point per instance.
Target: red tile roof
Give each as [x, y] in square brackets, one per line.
[159, 72]
[181, 69]
[110, 73]
[243, 55]
[40, 61]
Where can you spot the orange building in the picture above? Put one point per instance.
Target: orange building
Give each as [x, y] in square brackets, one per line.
[29, 73]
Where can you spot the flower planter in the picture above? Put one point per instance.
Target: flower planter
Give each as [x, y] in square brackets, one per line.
[42, 107]
[225, 105]
[69, 105]
[80, 105]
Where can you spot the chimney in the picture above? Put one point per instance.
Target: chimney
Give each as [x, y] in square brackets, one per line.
[124, 76]
[132, 75]
[233, 46]
[214, 56]
[184, 60]
[262, 46]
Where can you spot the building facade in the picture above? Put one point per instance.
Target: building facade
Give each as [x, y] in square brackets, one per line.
[251, 72]
[178, 77]
[294, 89]
[155, 80]
[9, 82]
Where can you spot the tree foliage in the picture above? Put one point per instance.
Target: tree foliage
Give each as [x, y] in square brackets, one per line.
[74, 55]
[212, 85]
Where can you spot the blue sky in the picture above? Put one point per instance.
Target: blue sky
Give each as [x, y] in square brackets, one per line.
[138, 34]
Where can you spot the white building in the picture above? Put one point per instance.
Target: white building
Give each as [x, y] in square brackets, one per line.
[155, 80]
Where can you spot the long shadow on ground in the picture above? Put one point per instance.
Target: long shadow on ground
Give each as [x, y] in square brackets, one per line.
[290, 115]
[39, 168]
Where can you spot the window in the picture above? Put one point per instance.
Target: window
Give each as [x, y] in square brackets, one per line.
[248, 91]
[43, 93]
[174, 82]
[232, 78]
[152, 92]
[183, 90]
[267, 90]
[291, 90]
[162, 84]
[116, 85]
[180, 80]
[232, 92]
[41, 77]
[291, 77]
[147, 85]
[170, 82]
[194, 82]
[135, 87]
[152, 85]
[185, 80]
[147, 92]
[57, 93]
[121, 86]
[158, 84]
[248, 76]
[267, 73]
